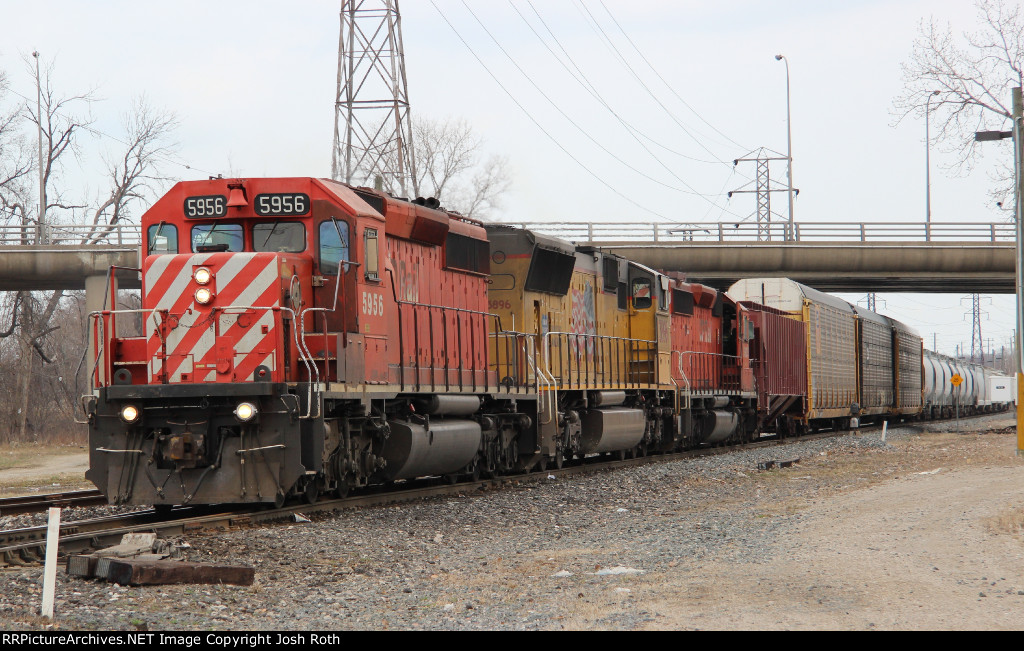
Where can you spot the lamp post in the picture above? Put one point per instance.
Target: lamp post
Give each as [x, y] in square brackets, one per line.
[928, 167]
[791, 231]
[39, 121]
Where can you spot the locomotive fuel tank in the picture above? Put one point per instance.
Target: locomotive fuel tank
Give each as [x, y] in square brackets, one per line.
[719, 426]
[442, 447]
[609, 430]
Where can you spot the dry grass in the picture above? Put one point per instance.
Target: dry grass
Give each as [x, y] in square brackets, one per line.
[1010, 521]
[21, 455]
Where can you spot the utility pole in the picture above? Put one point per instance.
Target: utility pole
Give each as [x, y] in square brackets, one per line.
[373, 123]
[977, 345]
[1018, 168]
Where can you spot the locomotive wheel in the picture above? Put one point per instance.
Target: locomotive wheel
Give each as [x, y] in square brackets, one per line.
[341, 490]
[312, 492]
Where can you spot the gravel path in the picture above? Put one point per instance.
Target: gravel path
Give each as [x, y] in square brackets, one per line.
[650, 547]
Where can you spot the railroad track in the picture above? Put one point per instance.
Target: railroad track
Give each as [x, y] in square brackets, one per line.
[22, 547]
[36, 503]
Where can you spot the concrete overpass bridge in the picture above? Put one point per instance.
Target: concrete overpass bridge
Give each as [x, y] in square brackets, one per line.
[954, 257]
[950, 257]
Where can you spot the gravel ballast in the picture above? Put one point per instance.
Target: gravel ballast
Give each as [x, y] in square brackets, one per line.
[574, 552]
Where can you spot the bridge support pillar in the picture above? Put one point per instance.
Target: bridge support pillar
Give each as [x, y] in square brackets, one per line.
[100, 294]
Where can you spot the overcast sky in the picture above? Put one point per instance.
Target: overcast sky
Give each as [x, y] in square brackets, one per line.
[253, 84]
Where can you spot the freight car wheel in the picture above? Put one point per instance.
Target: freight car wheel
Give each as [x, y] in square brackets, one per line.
[559, 460]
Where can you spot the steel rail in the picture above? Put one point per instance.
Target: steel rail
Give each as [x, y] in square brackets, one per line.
[22, 504]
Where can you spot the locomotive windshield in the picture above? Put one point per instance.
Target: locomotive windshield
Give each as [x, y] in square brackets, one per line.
[284, 237]
[334, 247]
[162, 238]
[217, 237]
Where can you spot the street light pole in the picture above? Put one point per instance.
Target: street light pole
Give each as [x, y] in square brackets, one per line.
[928, 167]
[791, 231]
[42, 188]
[1018, 158]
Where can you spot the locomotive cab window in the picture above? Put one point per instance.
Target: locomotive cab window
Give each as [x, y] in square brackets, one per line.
[334, 246]
[162, 238]
[284, 237]
[642, 293]
[372, 254]
[210, 238]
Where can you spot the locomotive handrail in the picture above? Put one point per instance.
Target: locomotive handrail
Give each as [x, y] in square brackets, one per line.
[596, 338]
[678, 354]
[723, 356]
[99, 326]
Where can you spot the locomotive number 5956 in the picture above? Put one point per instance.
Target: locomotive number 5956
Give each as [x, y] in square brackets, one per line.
[373, 304]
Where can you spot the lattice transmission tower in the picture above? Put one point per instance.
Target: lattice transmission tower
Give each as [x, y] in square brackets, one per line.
[764, 191]
[373, 124]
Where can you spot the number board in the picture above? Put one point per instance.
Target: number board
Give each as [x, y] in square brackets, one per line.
[282, 205]
[215, 205]
[956, 380]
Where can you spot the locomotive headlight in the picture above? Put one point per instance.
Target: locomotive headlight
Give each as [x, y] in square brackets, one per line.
[202, 276]
[203, 296]
[129, 413]
[245, 411]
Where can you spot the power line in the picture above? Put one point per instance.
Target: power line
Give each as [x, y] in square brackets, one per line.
[602, 33]
[591, 88]
[689, 189]
[667, 85]
[534, 120]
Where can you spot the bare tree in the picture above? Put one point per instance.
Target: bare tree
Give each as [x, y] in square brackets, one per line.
[15, 164]
[132, 175]
[448, 167]
[135, 174]
[973, 77]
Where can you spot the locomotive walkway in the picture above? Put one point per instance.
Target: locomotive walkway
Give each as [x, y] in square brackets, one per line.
[956, 257]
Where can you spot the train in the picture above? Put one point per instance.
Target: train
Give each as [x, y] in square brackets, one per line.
[300, 337]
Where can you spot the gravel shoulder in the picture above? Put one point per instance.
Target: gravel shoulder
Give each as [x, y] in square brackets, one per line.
[922, 531]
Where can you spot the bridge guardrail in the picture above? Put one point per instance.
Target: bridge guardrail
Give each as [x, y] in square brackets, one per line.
[130, 234]
[752, 232]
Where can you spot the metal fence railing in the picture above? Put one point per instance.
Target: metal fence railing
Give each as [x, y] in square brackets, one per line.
[580, 232]
[776, 232]
[127, 235]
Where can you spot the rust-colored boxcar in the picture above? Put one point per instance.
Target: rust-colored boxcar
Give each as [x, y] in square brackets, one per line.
[778, 354]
